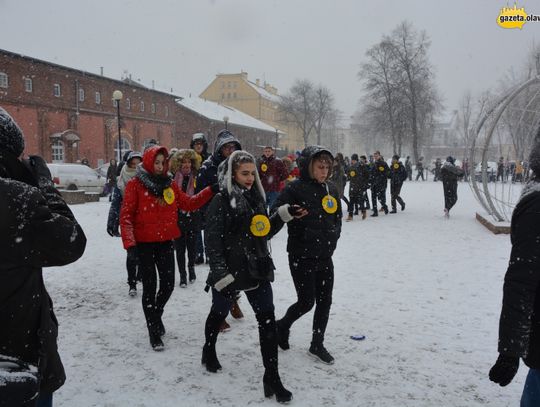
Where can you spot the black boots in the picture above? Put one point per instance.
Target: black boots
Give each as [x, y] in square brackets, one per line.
[268, 340]
[192, 276]
[156, 330]
[319, 352]
[211, 331]
[282, 335]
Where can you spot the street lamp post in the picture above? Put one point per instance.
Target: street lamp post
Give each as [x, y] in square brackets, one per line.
[117, 96]
[226, 120]
[277, 139]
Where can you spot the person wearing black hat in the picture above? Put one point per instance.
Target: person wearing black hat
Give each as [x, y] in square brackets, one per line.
[449, 175]
[398, 175]
[37, 229]
[358, 176]
[311, 244]
[519, 326]
[379, 182]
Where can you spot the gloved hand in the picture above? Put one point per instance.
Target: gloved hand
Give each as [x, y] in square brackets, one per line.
[214, 188]
[295, 210]
[504, 369]
[229, 293]
[132, 253]
[113, 232]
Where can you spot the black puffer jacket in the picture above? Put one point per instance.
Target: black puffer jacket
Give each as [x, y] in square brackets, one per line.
[519, 327]
[358, 176]
[398, 173]
[37, 230]
[379, 174]
[316, 234]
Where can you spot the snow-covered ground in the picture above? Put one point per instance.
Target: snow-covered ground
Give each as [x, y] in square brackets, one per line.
[425, 291]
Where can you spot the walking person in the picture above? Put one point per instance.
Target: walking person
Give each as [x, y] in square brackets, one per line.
[519, 326]
[149, 225]
[450, 174]
[37, 230]
[226, 143]
[272, 173]
[237, 233]
[379, 182]
[358, 176]
[420, 169]
[398, 175]
[128, 171]
[339, 177]
[311, 244]
[199, 144]
[184, 166]
[408, 167]
[111, 178]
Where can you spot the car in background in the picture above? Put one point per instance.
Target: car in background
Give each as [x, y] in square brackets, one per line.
[491, 171]
[76, 177]
[102, 170]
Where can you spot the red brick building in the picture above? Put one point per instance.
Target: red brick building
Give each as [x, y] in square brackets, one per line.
[68, 114]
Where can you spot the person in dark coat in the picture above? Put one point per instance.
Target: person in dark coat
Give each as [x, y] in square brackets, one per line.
[408, 167]
[420, 169]
[379, 182]
[111, 178]
[272, 172]
[236, 239]
[113, 221]
[226, 143]
[311, 244]
[123, 162]
[184, 165]
[199, 144]
[398, 175]
[449, 175]
[519, 326]
[358, 176]
[37, 229]
[437, 170]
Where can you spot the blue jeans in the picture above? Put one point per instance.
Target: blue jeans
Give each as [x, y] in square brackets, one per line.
[44, 400]
[531, 391]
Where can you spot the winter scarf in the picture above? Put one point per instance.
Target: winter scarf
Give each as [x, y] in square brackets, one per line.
[156, 184]
[179, 179]
[125, 176]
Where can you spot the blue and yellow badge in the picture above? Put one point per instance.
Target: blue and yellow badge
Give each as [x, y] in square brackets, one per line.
[264, 167]
[352, 173]
[396, 166]
[329, 204]
[260, 225]
[168, 195]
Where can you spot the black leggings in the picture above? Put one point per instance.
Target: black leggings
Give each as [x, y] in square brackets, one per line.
[314, 282]
[154, 255]
[186, 242]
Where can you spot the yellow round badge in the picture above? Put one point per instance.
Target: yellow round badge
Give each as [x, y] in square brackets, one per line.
[396, 166]
[260, 225]
[195, 183]
[352, 173]
[168, 195]
[264, 167]
[329, 204]
[381, 168]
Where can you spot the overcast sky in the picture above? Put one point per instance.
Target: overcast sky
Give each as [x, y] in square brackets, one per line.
[182, 44]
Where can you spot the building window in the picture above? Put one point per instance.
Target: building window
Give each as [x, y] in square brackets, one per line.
[222, 85]
[28, 85]
[128, 104]
[229, 95]
[166, 111]
[234, 95]
[153, 108]
[98, 98]
[57, 90]
[229, 84]
[3, 80]
[81, 95]
[57, 151]
[234, 85]
[223, 96]
[126, 146]
[142, 105]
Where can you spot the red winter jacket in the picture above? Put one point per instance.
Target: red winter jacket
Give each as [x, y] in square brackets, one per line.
[272, 171]
[145, 217]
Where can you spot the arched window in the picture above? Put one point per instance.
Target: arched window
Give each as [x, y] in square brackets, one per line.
[3, 80]
[126, 146]
[57, 151]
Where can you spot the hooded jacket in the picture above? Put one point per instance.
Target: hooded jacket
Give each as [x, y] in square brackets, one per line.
[237, 256]
[316, 234]
[187, 221]
[145, 215]
[272, 172]
[37, 229]
[200, 137]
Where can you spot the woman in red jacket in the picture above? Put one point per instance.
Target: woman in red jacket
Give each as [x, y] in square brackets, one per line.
[149, 225]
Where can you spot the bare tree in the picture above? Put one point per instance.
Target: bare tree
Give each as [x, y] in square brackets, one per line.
[323, 107]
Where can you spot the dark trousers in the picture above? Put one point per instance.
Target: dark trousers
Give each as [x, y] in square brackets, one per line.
[186, 242]
[152, 256]
[45, 400]
[314, 282]
[419, 174]
[261, 300]
[395, 190]
[378, 192]
[200, 244]
[132, 264]
[358, 200]
[450, 194]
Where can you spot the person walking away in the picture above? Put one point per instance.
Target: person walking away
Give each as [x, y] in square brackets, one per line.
[311, 244]
[129, 169]
[237, 232]
[398, 175]
[437, 170]
[184, 166]
[272, 172]
[37, 230]
[420, 169]
[149, 225]
[226, 143]
[519, 326]
[111, 178]
[358, 176]
[379, 176]
[408, 167]
[450, 174]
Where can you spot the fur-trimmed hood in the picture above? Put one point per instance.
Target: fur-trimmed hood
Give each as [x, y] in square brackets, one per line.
[175, 161]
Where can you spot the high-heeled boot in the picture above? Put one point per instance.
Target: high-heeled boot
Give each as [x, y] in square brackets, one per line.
[268, 341]
[211, 331]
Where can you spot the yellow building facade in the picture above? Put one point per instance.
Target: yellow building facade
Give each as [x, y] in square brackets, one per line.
[259, 100]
